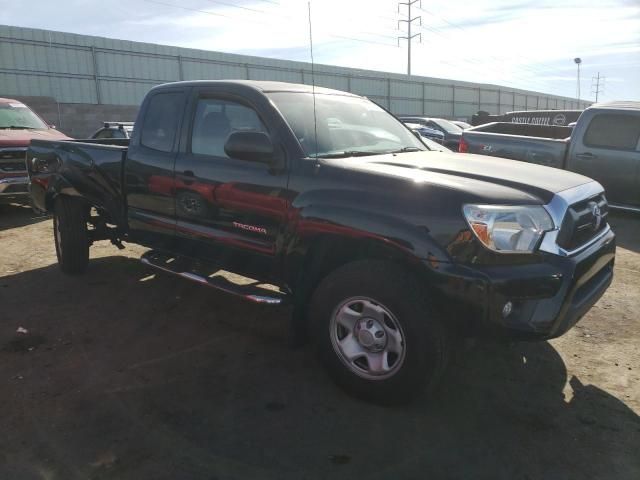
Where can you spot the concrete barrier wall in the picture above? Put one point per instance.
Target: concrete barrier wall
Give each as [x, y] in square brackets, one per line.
[81, 69]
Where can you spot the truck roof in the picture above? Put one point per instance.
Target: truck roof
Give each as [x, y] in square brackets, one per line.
[617, 105]
[262, 86]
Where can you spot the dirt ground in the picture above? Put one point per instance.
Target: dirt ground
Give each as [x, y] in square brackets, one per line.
[129, 375]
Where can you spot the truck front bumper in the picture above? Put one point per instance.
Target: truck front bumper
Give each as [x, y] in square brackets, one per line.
[14, 186]
[534, 301]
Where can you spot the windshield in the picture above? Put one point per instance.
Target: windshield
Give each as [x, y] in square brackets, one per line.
[446, 125]
[18, 115]
[346, 126]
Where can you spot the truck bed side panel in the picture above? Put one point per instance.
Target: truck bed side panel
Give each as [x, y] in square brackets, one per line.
[92, 171]
[542, 151]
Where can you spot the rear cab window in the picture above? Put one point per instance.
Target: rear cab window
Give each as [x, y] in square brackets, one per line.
[161, 121]
[613, 130]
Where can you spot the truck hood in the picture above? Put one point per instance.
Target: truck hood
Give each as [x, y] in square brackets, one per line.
[22, 138]
[485, 179]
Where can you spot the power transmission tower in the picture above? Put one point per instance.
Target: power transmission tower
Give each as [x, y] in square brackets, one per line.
[598, 88]
[409, 21]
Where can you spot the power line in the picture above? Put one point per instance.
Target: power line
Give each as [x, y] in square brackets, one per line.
[344, 37]
[466, 30]
[264, 12]
[477, 65]
[480, 66]
[527, 79]
[157, 2]
[409, 21]
[233, 5]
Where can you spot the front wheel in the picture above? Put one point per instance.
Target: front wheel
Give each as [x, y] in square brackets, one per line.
[71, 235]
[376, 332]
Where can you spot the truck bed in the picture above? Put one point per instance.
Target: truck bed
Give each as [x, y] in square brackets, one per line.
[540, 144]
[91, 169]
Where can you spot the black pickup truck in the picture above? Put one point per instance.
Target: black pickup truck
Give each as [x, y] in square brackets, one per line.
[385, 249]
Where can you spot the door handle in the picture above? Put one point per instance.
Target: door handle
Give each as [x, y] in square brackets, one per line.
[586, 155]
[187, 177]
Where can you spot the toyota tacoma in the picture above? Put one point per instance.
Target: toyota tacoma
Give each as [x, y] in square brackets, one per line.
[386, 250]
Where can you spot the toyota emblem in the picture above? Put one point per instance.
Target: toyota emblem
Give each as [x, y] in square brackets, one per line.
[597, 216]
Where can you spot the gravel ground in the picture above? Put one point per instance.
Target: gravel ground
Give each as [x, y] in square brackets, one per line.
[124, 374]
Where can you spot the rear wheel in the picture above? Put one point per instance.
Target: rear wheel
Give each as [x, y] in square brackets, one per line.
[376, 332]
[71, 235]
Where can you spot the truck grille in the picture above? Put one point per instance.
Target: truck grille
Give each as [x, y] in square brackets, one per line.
[583, 221]
[12, 160]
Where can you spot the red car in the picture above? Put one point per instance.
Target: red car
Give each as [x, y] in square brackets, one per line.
[18, 126]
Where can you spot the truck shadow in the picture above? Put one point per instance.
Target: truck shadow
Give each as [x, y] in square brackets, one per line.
[627, 229]
[13, 215]
[133, 375]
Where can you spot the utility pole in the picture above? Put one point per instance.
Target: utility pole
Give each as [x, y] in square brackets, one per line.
[409, 21]
[598, 88]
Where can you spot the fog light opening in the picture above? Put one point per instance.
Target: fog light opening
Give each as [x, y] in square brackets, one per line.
[507, 309]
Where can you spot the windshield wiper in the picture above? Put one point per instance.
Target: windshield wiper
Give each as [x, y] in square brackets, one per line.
[407, 149]
[350, 153]
[19, 127]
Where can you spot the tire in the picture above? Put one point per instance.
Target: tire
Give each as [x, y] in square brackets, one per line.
[416, 342]
[71, 235]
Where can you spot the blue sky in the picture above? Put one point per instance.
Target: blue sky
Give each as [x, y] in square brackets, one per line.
[522, 43]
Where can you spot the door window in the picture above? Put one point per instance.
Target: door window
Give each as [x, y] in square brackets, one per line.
[215, 120]
[613, 131]
[161, 121]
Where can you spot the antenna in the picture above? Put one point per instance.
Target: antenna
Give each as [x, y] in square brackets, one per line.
[313, 85]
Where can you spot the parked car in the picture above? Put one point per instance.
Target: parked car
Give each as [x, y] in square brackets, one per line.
[433, 145]
[431, 133]
[461, 124]
[114, 130]
[604, 145]
[18, 126]
[386, 250]
[451, 132]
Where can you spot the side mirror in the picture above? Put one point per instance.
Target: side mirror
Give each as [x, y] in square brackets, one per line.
[250, 146]
[52, 126]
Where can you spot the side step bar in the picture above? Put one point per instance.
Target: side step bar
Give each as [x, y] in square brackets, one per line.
[247, 288]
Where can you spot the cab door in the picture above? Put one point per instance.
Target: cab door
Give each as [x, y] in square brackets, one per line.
[227, 210]
[148, 170]
[608, 152]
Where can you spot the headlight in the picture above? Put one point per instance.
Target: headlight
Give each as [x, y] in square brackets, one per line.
[506, 228]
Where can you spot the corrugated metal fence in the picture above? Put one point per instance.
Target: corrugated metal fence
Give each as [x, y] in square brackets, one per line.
[94, 70]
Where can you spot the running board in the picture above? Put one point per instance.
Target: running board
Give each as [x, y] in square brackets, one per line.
[247, 288]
